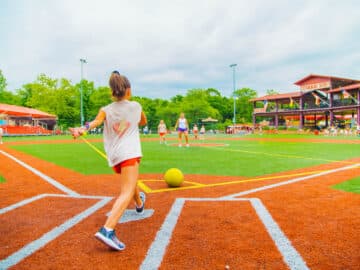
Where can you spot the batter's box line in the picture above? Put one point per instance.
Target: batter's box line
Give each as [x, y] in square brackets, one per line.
[34, 246]
[291, 181]
[157, 249]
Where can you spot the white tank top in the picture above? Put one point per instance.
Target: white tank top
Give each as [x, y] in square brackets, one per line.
[162, 128]
[121, 131]
[182, 123]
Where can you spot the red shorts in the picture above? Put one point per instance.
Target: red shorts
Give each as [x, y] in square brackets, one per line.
[126, 163]
[162, 133]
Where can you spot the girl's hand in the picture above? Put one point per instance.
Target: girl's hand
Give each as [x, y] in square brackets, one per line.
[77, 131]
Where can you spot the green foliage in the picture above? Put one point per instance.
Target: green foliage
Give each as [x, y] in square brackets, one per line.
[62, 98]
[7, 96]
[271, 92]
[244, 107]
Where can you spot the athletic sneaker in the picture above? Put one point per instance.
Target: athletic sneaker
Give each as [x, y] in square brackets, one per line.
[109, 238]
[187, 145]
[140, 210]
[180, 145]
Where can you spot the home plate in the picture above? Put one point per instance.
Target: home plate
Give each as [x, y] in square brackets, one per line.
[131, 215]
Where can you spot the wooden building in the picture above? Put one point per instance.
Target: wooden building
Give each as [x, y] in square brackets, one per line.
[328, 99]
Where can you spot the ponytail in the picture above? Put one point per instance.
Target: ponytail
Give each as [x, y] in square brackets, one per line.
[118, 84]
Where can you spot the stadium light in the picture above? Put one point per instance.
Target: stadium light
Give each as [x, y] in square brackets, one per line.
[82, 61]
[233, 68]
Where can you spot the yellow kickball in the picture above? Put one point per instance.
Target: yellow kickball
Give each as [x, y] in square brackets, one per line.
[173, 177]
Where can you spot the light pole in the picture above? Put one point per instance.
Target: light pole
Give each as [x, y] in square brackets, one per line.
[233, 68]
[82, 61]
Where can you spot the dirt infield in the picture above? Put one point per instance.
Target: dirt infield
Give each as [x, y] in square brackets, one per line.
[292, 219]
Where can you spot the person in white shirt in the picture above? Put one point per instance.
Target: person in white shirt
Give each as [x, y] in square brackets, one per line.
[183, 127]
[162, 131]
[121, 119]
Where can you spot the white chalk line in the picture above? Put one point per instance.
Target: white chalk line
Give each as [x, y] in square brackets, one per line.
[35, 245]
[157, 249]
[291, 181]
[291, 257]
[41, 175]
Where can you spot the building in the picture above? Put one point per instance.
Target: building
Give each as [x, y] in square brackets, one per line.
[321, 101]
[17, 120]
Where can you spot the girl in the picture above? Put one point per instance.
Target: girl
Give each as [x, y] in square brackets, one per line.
[202, 132]
[183, 128]
[195, 131]
[162, 131]
[122, 145]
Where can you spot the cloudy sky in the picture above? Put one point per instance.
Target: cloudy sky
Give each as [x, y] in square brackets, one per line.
[168, 47]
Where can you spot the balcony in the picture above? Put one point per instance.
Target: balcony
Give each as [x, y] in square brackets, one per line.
[344, 102]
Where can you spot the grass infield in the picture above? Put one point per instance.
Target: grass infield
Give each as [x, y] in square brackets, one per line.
[352, 185]
[236, 158]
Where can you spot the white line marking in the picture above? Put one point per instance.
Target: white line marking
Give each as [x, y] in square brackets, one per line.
[34, 246]
[291, 257]
[43, 176]
[27, 201]
[157, 249]
[132, 215]
[22, 203]
[291, 181]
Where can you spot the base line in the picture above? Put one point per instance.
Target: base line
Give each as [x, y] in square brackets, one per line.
[48, 179]
[34, 246]
[157, 250]
[290, 181]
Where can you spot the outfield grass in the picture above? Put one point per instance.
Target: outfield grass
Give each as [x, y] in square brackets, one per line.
[352, 185]
[238, 158]
[2, 179]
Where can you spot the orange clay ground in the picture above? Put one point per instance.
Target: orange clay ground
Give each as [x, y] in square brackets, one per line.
[312, 226]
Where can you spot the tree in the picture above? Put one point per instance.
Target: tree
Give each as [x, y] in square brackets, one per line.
[243, 105]
[271, 92]
[3, 83]
[7, 96]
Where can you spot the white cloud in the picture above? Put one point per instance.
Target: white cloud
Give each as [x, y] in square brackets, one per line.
[166, 47]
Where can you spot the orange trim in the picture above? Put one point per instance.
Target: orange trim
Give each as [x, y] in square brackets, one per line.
[126, 163]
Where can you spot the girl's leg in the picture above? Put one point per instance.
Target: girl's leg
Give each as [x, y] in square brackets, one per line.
[136, 197]
[186, 138]
[180, 138]
[128, 181]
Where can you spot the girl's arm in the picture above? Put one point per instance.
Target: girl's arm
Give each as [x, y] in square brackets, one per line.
[176, 125]
[143, 120]
[99, 119]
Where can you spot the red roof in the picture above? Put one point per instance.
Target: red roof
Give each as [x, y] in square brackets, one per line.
[14, 110]
[323, 77]
[278, 96]
[348, 87]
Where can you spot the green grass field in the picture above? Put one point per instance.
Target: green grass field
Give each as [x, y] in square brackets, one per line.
[352, 185]
[2, 179]
[237, 158]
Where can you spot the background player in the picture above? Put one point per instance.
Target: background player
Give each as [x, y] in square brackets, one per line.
[182, 127]
[162, 131]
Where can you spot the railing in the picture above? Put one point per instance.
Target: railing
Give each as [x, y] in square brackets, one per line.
[344, 102]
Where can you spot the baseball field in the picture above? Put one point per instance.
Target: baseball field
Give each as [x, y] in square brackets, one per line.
[247, 202]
